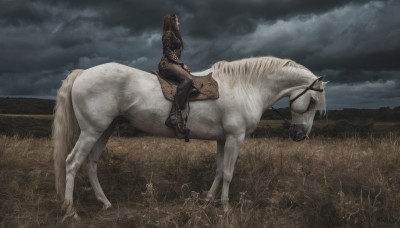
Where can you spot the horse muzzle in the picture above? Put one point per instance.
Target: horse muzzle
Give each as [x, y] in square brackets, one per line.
[298, 132]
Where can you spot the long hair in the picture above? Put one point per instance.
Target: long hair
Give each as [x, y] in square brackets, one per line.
[169, 25]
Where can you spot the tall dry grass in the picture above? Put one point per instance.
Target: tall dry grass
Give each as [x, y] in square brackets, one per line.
[155, 182]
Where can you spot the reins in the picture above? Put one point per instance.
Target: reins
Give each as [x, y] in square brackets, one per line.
[287, 122]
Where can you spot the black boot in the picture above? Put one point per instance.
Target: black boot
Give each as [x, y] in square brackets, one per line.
[181, 125]
[172, 118]
[180, 122]
[175, 121]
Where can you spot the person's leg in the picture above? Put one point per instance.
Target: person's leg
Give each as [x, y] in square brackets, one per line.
[184, 79]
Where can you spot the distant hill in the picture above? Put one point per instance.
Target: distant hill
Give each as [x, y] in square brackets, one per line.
[28, 106]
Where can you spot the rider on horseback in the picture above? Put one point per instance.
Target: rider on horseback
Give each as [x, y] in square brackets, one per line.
[172, 68]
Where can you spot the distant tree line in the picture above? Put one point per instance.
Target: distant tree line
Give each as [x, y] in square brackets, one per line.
[32, 106]
[26, 106]
[346, 122]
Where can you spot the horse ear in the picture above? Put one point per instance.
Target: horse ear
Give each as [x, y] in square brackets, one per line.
[321, 79]
[323, 84]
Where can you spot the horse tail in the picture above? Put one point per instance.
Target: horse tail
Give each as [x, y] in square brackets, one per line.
[65, 130]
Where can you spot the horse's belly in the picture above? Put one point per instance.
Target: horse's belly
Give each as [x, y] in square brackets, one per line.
[196, 130]
[152, 122]
[205, 129]
[207, 135]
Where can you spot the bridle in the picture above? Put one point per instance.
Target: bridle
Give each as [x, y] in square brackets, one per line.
[310, 87]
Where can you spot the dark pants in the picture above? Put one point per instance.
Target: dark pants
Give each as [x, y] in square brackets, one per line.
[176, 73]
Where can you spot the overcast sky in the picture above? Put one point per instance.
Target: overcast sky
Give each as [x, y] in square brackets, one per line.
[355, 44]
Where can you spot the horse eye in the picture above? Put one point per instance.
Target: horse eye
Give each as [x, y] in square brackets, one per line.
[312, 103]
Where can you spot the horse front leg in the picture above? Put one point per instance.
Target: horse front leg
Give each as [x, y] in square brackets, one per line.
[231, 151]
[219, 171]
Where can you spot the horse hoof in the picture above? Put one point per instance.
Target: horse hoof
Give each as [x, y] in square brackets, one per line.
[71, 213]
[105, 207]
[65, 206]
[209, 199]
[76, 217]
[226, 206]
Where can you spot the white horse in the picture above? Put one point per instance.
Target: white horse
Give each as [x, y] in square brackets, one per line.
[89, 100]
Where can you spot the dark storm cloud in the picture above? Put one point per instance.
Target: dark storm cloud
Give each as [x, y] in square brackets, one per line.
[205, 18]
[354, 76]
[351, 37]
[210, 18]
[20, 12]
[354, 43]
[27, 50]
[364, 94]
[137, 16]
[40, 83]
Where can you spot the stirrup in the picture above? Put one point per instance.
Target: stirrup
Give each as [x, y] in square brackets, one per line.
[194, 91]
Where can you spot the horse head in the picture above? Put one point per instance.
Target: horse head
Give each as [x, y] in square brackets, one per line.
[304, 103]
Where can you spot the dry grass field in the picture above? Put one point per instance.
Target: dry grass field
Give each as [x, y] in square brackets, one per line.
[158, 182]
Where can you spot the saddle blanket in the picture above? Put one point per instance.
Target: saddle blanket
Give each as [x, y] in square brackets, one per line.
[206, 85]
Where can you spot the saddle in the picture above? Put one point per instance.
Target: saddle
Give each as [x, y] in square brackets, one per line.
[207, 87]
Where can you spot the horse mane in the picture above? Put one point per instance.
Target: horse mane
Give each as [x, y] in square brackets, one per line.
[321, 102]
[250, 70]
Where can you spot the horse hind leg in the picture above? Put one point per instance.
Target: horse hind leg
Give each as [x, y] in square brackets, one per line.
[80, 152]
[91, 165]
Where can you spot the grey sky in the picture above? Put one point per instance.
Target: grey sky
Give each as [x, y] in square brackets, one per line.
[355, 44]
